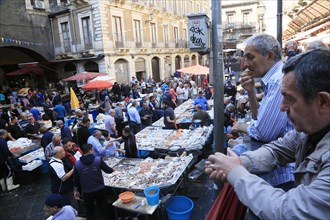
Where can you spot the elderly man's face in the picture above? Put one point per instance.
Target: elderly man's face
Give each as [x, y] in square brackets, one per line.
[32, 120]
[255, 62]
[303, 115]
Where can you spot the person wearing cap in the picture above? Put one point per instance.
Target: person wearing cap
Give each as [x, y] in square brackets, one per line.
[60, 177]
[65, 130]
[54, 208]
[201, 100]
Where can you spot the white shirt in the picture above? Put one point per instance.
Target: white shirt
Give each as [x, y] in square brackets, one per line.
[180, 92]
[58, 167]
[186, 93]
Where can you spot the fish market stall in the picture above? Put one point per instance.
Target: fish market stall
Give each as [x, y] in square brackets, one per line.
[138, 174]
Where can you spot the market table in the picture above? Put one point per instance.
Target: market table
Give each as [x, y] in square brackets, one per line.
[136, 207]
[22, 146]
[151, 138]
[138, 174]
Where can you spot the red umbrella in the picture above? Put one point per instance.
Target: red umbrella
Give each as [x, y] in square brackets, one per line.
[97, 85]
[26, 70]
[84, 75]
[197, 70]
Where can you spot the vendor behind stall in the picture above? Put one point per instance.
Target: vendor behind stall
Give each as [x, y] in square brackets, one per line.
[32, 129]
[202, 115]
[6, 179]
[83, 132]
[169, 116]
[14, 131]
[130, 149]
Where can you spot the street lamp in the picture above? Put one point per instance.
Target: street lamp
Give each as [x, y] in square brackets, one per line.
[261, 12]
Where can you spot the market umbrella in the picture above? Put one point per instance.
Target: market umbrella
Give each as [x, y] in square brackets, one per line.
[197, 70]
[97, 85]
[104, 78]
[84, 76]
[74, 102]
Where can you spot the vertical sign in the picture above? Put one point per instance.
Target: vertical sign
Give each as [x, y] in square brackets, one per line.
[198, 32]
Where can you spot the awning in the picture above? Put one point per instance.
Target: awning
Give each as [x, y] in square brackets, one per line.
[307, 18]
[26, 70]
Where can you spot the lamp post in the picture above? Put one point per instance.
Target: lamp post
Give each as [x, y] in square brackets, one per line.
[261, 12]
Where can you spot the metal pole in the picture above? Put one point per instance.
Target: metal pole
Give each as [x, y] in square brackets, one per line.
[217, 76]
[279, 21]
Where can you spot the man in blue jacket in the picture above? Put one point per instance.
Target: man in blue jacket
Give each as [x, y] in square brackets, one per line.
[88, 176]
[201, 100]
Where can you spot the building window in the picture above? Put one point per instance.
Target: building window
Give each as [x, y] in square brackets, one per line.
[176, 36]
[164, 5]
[198, 8]
[118, 35]
[185, 38]
[137, 33]
[87, 34]
[66, 36]
[245, 18]
[184, 7]
[153, 34]
[166, 35]
[191, 6]
[175, 6]
[230, 20]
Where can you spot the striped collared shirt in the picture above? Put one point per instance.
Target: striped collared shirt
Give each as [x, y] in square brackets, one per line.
[271, 123]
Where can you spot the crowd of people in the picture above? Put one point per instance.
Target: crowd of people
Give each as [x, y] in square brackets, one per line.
[275, 106]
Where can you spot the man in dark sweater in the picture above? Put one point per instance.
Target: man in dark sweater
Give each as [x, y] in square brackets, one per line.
[202, 115]
[88, 176]
[130, 148]
[83, 132]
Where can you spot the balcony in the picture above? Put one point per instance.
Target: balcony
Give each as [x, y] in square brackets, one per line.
[181, 44]
[119, 44]
[240, 25]
[138, 44]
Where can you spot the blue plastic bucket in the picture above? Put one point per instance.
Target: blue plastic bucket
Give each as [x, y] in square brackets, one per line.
[179, 208]
[152, 199]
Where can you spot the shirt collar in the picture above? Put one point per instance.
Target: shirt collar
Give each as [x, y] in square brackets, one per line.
[268, 76]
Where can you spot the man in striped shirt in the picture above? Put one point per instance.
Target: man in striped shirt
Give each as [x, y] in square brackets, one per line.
[263, 59]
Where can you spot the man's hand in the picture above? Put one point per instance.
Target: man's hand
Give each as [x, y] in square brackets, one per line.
[247, 81]
[239, 128]
[219, 165]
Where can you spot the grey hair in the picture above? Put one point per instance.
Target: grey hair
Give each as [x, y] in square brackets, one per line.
[111, 111]
[56, 150]
[95, 132]
[318, 44]
[265, 44]
[3, 132]
[59, 122]
[311, 70]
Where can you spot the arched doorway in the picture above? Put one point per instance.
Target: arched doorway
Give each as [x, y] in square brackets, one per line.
[91, 66]
[193, 60]
[168, 65]
[186, 61]
[155, 69]
[177, 62]
[69, 69]
[14, 58]
[121, 71]
[140, 68]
